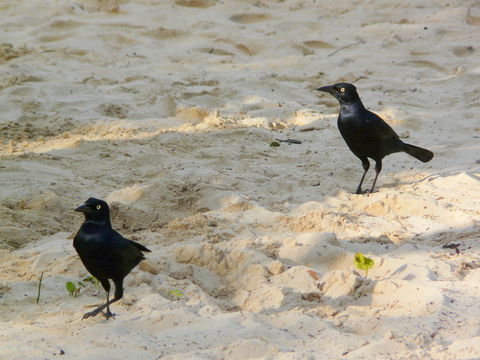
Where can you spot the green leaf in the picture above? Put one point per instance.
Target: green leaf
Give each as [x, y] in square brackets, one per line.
[274, 144]
[175, 293]
[93, 280]
[70, 287]
[361, 262]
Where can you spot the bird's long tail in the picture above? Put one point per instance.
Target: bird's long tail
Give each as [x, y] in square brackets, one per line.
[423, 155]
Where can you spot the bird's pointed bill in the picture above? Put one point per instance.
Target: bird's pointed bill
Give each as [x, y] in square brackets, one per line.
[81, 208]
[327, 89]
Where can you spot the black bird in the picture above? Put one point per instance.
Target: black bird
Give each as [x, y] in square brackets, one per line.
[105, 253]
[366, 134]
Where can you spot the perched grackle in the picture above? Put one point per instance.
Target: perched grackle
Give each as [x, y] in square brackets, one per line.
[105, 253]
[366, 134]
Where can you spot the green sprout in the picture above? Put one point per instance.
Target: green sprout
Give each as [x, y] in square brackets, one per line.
[175, 293]
[92, 280]
[362, 262]
[72, 289]
[274, 144]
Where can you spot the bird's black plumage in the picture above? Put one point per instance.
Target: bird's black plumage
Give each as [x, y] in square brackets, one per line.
[366, 134]
[105, 253]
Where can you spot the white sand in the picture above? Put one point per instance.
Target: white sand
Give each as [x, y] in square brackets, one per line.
[167, 108]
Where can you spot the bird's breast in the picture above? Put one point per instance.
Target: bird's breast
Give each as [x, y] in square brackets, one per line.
[351, 125]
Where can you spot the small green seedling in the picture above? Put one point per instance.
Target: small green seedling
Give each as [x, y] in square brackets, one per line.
[362, 262]
[175, 293]
[93, 280]
[72, 289]
[274, 144]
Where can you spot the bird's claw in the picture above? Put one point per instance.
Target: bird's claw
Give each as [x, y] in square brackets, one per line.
[90, 314]
[362, 192]
[108, 314]
[95, 312]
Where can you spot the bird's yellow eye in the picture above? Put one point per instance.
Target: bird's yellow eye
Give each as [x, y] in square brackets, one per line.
[99, 207]
[342, 89]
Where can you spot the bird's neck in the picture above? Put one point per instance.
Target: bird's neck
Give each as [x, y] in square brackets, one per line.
[101, 222]
[350, 108]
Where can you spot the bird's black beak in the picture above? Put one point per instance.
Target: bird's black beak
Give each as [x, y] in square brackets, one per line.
[328, 89]
[82, 208]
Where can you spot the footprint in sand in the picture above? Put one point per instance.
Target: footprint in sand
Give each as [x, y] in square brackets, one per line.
[102, 5]
[471, 19]
[162, 33]
[9, 52]
[427, 64]
[203, 83]
[19, 79]
[215, 51]
[317, 44]
[303, 49]
[64, 24]
[118, 39]
[462, 51]
[419, 53]
[249, 18]
[249, 50]
[202, 4]
[22, 91]
[53, 38]
[246, 50]
[114, 110]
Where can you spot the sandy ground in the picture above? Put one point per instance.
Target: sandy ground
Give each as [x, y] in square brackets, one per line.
[167, 108]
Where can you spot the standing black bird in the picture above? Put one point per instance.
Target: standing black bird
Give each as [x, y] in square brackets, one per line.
[105, 253]
[366, 134]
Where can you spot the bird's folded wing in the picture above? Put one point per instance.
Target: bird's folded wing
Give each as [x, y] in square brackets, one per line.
[379, 129]
[140, 246]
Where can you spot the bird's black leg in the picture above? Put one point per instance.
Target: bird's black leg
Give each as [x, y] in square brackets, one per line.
[108, 313]
[378, 168]
[106, 286]
[366, 166]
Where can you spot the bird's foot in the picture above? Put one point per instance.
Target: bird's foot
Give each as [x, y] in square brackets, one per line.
[91, 314]
[108, 314]
[95, 312]
[362, 192]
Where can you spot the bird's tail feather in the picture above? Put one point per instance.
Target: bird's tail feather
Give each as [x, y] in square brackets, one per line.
[423, 155]
[140, 246]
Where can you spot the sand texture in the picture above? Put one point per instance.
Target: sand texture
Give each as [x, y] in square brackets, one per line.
[166, 109]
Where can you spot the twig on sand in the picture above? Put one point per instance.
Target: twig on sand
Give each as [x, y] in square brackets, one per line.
[39, 287]
[289, 141]
[453, 247]
[346, 47]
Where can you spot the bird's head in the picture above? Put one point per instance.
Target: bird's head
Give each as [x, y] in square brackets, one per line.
[95, 209]
[345, 93]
